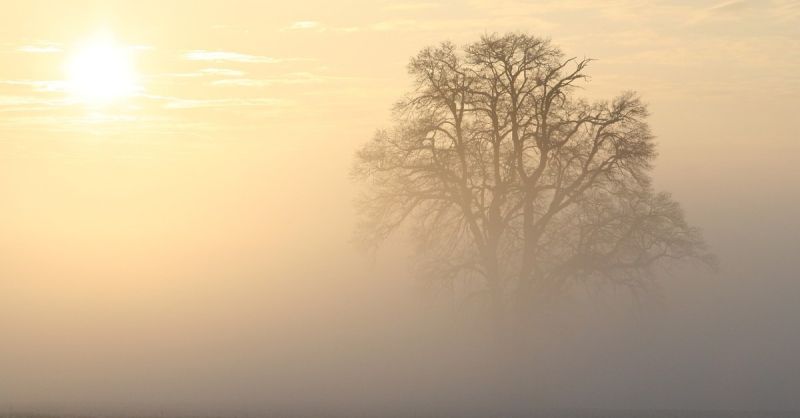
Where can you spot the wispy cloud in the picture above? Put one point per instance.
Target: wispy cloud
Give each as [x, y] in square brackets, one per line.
[40, 48]
[729, 7]
[786, 9]
[411, 6]
[227, 56]
[613, 9]
[28, 103]
[38, 85]
[461, 24]
[287, 79]
[728, 10]
[222, 72]
[305, 25]
[511, 21]
[178, 103]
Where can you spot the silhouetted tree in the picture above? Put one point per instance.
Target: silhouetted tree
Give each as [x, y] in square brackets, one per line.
[511, 185]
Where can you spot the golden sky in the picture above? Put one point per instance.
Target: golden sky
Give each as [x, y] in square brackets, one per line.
[205, 66]
[202, 194]
[265, 102]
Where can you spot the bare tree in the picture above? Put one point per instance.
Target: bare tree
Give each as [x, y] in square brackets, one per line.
[510, 184]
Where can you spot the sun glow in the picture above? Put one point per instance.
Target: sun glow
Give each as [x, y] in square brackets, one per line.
[101, 72]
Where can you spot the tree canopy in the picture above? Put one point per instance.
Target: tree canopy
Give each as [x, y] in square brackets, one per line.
[510, 183]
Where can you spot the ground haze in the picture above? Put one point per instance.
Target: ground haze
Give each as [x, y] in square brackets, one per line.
[177, 230]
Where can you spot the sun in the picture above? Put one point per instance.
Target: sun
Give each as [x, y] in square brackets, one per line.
[101, 72]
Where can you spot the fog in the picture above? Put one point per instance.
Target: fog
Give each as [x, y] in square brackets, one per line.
[201, 260]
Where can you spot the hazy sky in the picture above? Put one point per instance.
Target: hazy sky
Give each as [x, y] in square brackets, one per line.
[199, 229]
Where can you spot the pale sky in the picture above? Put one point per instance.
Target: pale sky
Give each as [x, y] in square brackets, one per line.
[165, 210]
